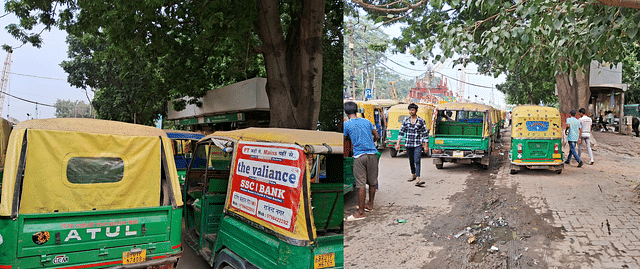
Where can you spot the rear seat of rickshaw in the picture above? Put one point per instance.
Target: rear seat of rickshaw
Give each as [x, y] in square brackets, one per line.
[327, 198]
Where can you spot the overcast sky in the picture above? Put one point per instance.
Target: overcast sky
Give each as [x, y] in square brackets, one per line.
[407, 70]
[36, 74]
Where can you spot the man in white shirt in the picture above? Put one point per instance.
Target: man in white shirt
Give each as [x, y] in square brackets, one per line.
[585, 122]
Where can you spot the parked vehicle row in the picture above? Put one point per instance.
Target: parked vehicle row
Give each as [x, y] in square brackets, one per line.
[85, 193]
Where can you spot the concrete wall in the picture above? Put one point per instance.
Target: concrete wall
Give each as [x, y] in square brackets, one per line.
[246, 95]
[604, 74]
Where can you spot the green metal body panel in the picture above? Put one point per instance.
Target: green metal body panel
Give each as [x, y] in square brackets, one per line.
[392, 137]
[458, 143]
[266, 251]
[536, 150]
[182, 173]
[349, 178]
[91, 239]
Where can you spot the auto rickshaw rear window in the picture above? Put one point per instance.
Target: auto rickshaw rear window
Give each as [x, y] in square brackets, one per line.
[91, 170]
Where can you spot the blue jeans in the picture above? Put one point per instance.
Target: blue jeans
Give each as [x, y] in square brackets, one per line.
[572, 151]
[415, 155]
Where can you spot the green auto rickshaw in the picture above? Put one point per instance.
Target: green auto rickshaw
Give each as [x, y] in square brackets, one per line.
[462, 133]
[86, 193]
[536, 139]
[278, 203]
[397, 114]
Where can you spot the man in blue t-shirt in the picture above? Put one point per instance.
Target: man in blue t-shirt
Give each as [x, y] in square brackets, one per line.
[573, 137]
[365, 160]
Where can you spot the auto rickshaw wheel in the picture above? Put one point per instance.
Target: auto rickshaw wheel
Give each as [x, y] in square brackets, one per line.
[559, 171]
[513, 171]
[393, 152]
[439, 166]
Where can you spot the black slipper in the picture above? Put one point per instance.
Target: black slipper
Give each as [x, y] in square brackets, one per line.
[420, 184]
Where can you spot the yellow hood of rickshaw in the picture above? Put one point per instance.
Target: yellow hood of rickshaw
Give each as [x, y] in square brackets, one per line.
[520, 115]
[490, 118]
[425, 112]
[51, 143]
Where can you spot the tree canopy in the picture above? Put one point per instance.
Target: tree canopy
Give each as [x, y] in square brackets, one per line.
[189, 47]
[72, 109]
[513, 36]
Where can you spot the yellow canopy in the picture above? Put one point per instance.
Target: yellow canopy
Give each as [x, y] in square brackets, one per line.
[57, 152]
[490, 115]
[385, 102]
[285, 138]
[529, 121]
[5, 131]
[397, 113]
[281, 135]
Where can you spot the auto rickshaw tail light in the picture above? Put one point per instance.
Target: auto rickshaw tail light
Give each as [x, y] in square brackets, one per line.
[519, 148]
[555, 149]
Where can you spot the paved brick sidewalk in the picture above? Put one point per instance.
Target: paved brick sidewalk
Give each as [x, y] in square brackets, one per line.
[596, 206]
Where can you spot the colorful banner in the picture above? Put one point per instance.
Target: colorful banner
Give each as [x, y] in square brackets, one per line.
[268, 181]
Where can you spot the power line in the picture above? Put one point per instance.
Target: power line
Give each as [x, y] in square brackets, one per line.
[28, 101]
[36, 76]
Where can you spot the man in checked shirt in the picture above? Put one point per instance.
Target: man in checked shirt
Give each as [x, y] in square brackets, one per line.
[416, 136]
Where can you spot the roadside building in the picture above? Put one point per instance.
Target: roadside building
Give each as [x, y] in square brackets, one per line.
[236, 106]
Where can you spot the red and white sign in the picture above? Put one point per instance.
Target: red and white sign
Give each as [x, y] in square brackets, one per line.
[267, 182]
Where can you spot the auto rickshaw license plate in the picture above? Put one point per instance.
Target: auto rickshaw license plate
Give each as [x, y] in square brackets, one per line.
[324, 260]
[439, 141]
[134, 257]
[458, 154]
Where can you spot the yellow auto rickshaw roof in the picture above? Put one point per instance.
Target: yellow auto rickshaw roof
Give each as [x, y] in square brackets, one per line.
[282, 135]
[535, 111]
[385, 102]
[405, 107]
[464, 106]
[91, 126]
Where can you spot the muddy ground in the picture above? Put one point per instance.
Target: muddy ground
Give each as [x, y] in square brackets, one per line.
[463, 219]
[489, 226]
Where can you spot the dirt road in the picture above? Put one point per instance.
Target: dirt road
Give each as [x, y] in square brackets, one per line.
[583, 218]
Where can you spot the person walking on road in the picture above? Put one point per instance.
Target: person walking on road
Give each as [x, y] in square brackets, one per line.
[575, 129]
[416, 136]
[363, 135]
[585, 124]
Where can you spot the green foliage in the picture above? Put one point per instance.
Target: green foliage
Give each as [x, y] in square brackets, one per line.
[72, 109]
[521, 35]
[125, 89]
[330, 118]
[631, 73]
[370, 46]
[140, 54]
[534, 88]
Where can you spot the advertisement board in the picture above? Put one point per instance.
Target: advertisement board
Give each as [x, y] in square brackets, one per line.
[268, 182]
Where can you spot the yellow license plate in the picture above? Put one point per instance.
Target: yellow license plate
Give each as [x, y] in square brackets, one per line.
[324, 260]
[458, 154]
[557, 156]
[439, 141]
[135, 257]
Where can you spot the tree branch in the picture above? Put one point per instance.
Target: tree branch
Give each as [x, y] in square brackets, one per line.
[381, 8]
[621, 3]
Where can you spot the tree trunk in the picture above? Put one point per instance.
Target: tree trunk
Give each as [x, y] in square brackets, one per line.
[293, 63]
[573, 91]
